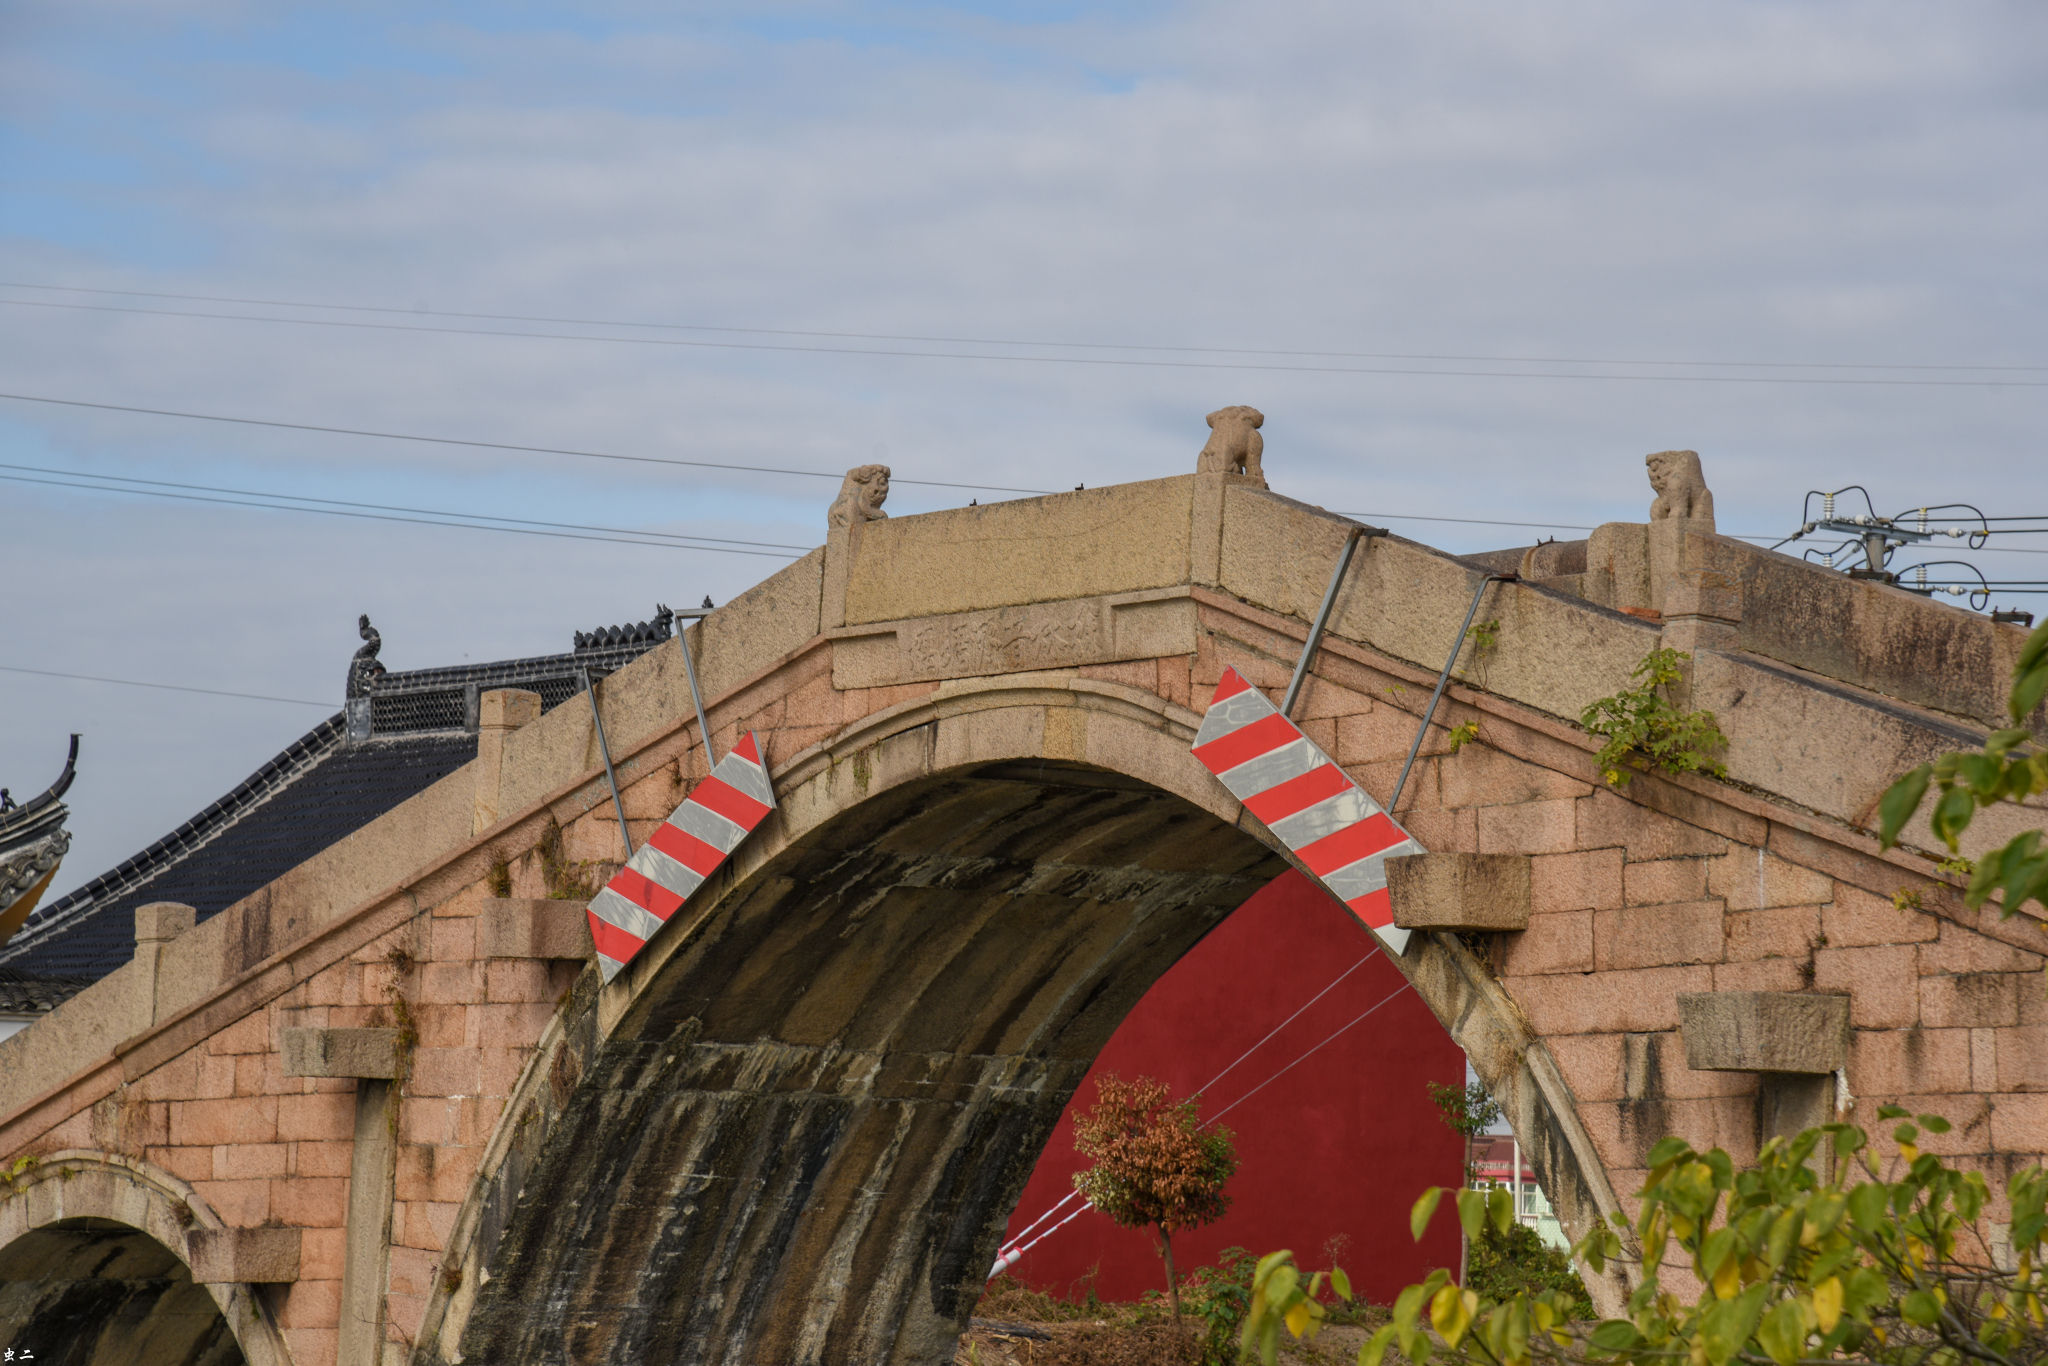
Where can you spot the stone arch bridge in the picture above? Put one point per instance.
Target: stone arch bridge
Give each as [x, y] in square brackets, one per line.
[384, 1111]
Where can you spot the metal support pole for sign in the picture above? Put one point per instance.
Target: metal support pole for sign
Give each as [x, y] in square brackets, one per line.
[618, 805]
[690, 668]
[1441, 680]
[1315, 632]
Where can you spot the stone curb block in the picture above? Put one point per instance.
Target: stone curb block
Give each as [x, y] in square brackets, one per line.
[251, 1256]
[527, 928]
[1459, 891]
[1764, 1031]
[358, 1053]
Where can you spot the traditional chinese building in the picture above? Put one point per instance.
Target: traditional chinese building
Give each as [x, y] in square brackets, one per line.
[396, 734]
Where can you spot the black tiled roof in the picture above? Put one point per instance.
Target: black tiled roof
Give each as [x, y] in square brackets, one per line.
[314, 794]
[406, 733]
[22, 994]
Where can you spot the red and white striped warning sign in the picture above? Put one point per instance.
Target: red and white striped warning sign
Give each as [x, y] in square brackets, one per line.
[1330, 822]
[682, 852]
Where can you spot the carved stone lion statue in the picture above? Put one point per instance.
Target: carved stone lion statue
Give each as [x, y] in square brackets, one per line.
[861, 496]
[1235, 446]
[1681, 488]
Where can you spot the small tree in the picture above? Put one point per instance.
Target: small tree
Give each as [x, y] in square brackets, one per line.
[1469, 1111]
[1644, 730]
[1154, 1165]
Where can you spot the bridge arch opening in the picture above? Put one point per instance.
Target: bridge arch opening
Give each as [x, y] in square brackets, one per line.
[93, 1267]
[802, 1140]
[97, 1292]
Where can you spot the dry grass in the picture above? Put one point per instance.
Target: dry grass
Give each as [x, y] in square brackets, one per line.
[1092, 1333]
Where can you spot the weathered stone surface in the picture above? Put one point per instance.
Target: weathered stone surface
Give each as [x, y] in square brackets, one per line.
[1788, 1102]
[1764, 1031]
[1460, 891]
[1015, 639]
[255, 1256]
[856, 1060]
[1872, 635]
[371, 1053]
[1069, 545]
[514, 928]
[1618, 565]
[1710, 594]
[162, 921]
[499, 712]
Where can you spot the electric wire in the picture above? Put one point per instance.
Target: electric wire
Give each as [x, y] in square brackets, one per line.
[1488, 521]
[489, 445]
[382, 507]
[1125, 362]
[1074, 1195]
[666, 460]
[388, 517]
[168, 687]
[1002, 341]
[1011, 1258]
[1307, 1055]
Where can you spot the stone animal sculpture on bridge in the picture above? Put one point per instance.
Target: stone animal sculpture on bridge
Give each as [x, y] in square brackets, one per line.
[861, 496]
[1681, 487]
[1235, 446]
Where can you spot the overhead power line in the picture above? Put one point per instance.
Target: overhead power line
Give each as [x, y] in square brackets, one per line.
[705, 464]
[679, 537]
[1126, 361]
[659, 460]
[490, 445]
[387, 517]
[1002, 341]
[168, 687]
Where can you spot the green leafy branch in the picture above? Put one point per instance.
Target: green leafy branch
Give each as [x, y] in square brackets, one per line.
[1644, 729]
[1468, 1109]
[1485, 638]
[2011, 767]
[1794, 1266]
[1280, 1294]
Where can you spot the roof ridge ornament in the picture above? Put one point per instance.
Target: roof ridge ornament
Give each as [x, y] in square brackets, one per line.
[363, 668]
[632, 633]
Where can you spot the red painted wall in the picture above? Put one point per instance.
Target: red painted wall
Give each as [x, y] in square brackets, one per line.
[1338, 1145]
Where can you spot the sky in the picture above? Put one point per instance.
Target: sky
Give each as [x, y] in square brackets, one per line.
[1472, 261]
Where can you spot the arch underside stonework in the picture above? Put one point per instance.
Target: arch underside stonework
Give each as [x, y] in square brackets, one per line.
[806, 1122]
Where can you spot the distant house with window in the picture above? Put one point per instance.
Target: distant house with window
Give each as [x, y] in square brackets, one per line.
[1496, 1160]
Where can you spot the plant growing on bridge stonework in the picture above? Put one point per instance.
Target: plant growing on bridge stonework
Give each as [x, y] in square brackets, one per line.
[1645, 730]
[2010, 768]
[1155, 1165]
[1795, 1266]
